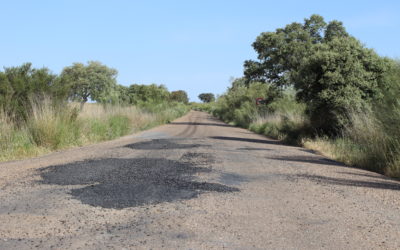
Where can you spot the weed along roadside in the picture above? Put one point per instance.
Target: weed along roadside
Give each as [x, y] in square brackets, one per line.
[51, 130]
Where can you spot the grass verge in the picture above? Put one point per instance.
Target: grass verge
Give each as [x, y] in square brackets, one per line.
[364, 144]
[52, 128]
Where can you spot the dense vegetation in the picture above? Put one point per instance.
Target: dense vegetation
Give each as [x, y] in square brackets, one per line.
[41, 111]
[324, 89]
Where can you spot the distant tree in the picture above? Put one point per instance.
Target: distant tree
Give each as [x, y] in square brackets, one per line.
[94, 80]
[179, 96]
[140, 93]
[207, 97]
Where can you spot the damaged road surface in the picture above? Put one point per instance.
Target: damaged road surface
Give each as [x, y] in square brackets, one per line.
[195, 183]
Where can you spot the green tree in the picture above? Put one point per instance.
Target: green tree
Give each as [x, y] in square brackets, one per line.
[207, 97]
[179, 96]
[94, 80]
[387, 109]
[340, 77]
[332, 72]
[140, 93]
[335, 29]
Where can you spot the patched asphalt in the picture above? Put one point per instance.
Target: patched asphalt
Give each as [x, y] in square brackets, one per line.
[196, 183]
[122, 183]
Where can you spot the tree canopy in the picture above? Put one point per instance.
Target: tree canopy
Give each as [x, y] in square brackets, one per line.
[179, 96]
[153, 93]
[332, 72]
[94, 80]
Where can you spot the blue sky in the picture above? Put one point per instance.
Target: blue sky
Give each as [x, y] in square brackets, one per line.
[196, 46]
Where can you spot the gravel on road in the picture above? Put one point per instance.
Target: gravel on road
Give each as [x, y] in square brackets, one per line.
[196, 183]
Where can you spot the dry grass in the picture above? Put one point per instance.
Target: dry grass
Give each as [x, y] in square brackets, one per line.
[286, 126]
[322, 146]
[365, 143]
[53, 127]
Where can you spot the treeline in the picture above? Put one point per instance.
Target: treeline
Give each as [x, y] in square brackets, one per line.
[324, 89]
[21, 86]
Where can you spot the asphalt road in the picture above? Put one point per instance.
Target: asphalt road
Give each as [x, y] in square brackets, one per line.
[195, 183]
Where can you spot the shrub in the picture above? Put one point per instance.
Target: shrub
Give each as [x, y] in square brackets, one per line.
[238, 105]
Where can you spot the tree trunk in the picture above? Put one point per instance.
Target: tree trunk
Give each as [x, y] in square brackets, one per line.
[82, 104]
[84, 100]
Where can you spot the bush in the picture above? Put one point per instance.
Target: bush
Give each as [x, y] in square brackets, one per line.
[19, 85]
[238, 104]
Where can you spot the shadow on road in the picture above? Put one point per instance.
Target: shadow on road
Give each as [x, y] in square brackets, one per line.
[381, 177]
[202, 124]
[225, 138]
[347, 182]
[162, 144]
[121, 183]
[380, 182]
[254, 149]
[307, 159]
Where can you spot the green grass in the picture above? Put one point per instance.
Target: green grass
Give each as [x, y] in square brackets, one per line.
[53, 128]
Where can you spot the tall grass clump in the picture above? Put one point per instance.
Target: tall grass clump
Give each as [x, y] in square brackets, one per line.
[105, 122]
[285, 119]
[363, 143]
[14, 141]
[53, 126]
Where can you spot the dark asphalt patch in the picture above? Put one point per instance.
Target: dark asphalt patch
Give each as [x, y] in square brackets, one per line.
[202, 124]
[225, 138]
[254, 149]
[162, 144]
[121, 183]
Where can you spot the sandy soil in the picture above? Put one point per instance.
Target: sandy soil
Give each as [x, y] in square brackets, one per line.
[196, 183]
